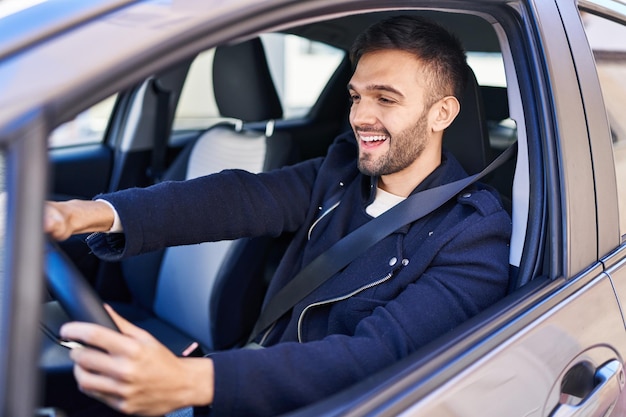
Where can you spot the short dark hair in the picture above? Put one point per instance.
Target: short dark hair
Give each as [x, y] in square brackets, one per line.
[439, 50]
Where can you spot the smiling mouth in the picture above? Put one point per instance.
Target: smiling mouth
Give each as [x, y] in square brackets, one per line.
[372, 140]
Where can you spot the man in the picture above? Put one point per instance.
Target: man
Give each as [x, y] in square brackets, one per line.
[409, 288]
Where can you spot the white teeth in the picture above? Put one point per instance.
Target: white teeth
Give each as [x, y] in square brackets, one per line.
[373, 138]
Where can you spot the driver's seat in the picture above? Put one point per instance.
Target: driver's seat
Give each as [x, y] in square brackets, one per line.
[210, 293]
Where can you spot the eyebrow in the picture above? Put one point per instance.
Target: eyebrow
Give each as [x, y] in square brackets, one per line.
[379, 87]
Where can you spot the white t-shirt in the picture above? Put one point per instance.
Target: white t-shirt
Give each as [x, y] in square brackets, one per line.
[383, 202]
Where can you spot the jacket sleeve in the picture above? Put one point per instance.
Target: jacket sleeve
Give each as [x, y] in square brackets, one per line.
[228, 205]
[468, 273]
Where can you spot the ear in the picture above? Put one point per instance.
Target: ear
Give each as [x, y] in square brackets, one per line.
[443, 113]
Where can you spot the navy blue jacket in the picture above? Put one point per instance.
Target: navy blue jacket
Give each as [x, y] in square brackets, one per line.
[411, 287]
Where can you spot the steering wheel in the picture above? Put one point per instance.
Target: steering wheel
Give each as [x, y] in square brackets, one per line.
[68, 286]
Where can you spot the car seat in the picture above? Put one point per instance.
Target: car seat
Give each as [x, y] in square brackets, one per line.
[210, 293]
[467, 137]
[469, 140]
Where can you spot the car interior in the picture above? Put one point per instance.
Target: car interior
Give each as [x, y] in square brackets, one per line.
[201, 298]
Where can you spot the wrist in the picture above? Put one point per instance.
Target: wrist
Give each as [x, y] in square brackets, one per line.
[201, 381]
[116, 226]
[90, 216]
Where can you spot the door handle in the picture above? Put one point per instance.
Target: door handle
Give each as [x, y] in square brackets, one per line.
[602, 398]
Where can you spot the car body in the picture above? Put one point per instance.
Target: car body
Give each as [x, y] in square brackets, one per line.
[560, 328]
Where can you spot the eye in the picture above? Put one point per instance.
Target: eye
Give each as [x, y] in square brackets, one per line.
[354, 98]
[386, 100]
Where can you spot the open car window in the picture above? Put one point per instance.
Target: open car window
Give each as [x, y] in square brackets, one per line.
[300, 69]
[89, 127]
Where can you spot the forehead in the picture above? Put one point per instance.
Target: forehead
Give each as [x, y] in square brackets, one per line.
[394, 67]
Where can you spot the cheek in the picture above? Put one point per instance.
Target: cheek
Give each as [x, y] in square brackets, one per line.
[402, 121]
[395, 123]
[351, 114]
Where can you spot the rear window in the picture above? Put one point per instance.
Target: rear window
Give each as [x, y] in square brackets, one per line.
[300, 69]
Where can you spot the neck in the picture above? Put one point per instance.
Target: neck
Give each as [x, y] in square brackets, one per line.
[402, 183]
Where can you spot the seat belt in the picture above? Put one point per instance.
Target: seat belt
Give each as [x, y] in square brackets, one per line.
[161, 130]
[361, 239]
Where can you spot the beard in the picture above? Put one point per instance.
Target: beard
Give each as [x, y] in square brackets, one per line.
[404, 148]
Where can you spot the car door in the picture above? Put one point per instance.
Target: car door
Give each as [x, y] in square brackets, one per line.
[568, 359]
[605, 28]
[564, 325]
[555, 346]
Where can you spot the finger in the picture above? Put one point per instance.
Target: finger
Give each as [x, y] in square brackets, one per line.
[112, 401]
[110, 391]
[124, 325]
[127, 327]
[126, 344]
[96, 362]
[94, 335]
[54, 223]
[96, 384]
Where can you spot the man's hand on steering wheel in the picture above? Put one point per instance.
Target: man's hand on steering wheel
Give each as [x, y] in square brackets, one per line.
[63, 219]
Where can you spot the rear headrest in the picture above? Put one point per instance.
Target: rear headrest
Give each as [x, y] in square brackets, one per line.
[467, 137]
[496, 103]
[243, 84]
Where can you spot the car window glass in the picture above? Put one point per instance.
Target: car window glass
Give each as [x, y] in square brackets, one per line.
[300, 69]
[88, 127]
[489, 70]
[196, 107]
[606, 38]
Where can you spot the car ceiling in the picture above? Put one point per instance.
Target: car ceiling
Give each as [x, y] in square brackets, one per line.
[475, 32]
[74, 86]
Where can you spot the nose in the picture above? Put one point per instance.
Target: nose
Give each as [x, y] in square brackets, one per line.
[362, 113]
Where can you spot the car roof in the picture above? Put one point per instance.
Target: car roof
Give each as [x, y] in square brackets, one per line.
[65, 55]
[475, 32]
[27, 22]
[75, 51]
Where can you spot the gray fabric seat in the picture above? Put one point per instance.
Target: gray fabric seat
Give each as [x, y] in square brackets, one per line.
[200, 292]
[205, 293]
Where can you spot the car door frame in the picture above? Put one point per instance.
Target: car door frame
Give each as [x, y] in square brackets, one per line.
[612, 245]
[572, 238]
[567, 127]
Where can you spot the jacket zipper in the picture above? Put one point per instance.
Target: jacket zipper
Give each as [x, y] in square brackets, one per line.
[324, 214]
[339, 298]
[267, 333]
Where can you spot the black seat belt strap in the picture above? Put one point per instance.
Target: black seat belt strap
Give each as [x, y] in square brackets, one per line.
[161, 130]
[358, 241]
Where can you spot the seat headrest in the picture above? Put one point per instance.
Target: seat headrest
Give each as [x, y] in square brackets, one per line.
[243, 84]
[467, 137]
[496, 103]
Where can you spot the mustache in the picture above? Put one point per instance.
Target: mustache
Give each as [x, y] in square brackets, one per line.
[377, 130]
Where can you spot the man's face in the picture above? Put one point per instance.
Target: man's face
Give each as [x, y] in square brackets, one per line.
[388, 113]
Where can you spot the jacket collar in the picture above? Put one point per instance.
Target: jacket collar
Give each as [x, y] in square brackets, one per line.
[449, 170]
